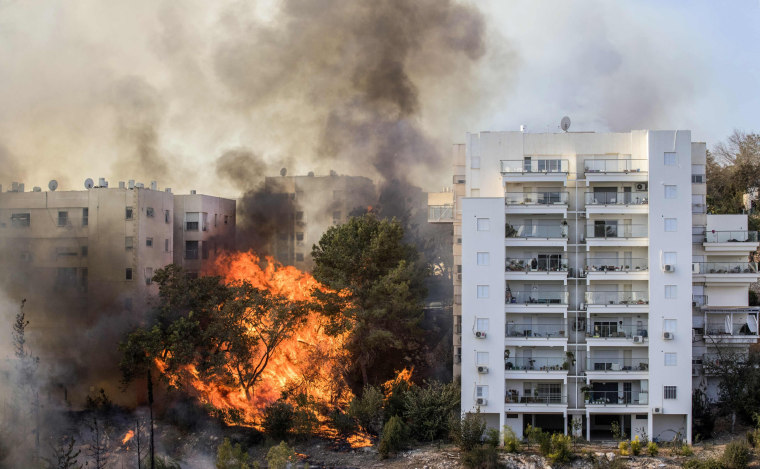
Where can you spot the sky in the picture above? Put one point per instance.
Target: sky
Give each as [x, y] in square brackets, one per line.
[152, 89]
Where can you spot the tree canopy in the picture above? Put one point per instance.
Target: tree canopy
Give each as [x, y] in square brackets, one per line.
[733, 169]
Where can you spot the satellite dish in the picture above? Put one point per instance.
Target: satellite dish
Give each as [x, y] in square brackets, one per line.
[283, 172]
[88, 183]
[53, 185]
[565, 123]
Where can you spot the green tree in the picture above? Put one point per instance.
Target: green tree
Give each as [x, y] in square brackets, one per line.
[738, 377]
[733, 169]
[279, 456]
[231, 457]
[381, 286]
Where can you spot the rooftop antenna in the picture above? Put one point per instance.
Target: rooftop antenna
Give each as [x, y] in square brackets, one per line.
[565, 123]
[53, 185]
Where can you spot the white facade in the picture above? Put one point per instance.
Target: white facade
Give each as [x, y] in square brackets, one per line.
[576, 275]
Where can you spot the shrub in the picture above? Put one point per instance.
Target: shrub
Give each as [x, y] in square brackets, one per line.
[427, 409]
[683, 450]
[652, 448]
[467, 432]
[482, 458]
[708, 463]
[636, 446]
[231, 457]
[736, 455]
[560, 448]
[279, 456]
[343, 423]
[533, 435]
[278, 420]
[492, 437]
[367, 410]
[395, 435]
[624, 448]
[304, 423]
[511, 442]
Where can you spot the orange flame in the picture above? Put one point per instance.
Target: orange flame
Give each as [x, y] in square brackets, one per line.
[127, 436]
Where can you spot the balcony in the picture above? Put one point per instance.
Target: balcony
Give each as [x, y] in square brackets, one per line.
[536, 301]
[616, 398]
[615, 268]
[536, 366]
[536, 400]
[554, 235]
[616, 202]
[616, 170]
[617, 365]
[611, 334]
[542, 267]
[612, 233]
[535, 335]
[731, 242]
[441, 213]
[542, 202]
[725, 272]
[617, 302]
[535, 169]
[731, 326]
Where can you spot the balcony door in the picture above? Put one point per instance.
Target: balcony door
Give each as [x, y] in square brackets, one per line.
[605, 195]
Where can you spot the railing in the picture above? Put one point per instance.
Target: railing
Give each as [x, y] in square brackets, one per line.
[617, 198]
[616, 230]
[535, 165]
[558, 297]
[615, 166]
[536, 231]
[533, 264]
[616, 397]
[546, 331]
[697, 301]
[542, 399]
[536, 198]
[724, 267]
[440, 212]
[536, 364]
[615, 264]
[617, 298]
[616, 331]
[737, 328]
[617, 364]
[730, 236]
[698, 208]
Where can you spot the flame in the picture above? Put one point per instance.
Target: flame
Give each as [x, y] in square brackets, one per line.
[403, 376]
[127, 436]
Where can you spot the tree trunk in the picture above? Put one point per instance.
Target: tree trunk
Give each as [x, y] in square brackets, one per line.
[733, 420]
[150, 407]
[137, 435]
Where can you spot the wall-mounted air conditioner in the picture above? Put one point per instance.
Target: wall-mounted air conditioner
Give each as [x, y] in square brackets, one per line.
[482, 369]
[669, 268]
[642, 186]
[667, 335]
[481, 401]
[637, 339]
[656, 410]
[480, 334]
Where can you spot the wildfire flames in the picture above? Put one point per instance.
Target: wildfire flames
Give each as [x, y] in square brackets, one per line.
[127, 436]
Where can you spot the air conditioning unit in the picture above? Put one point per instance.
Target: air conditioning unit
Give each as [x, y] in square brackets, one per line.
[483, 369]
[642, 186]
[582, 306]
[667, 335]
[669, 268]
[694, 267]
[481, 401]
[480, 334]
[656, 410]
[637, 339]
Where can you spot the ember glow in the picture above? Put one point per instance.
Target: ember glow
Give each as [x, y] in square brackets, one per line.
[127, 436]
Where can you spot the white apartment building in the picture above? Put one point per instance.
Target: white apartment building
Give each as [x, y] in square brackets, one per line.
[583, 257]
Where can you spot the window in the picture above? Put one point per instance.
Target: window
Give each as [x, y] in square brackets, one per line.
[299, 216]
[128, 213]
[83, 279]
[671, 359]
[299, 257]
[128, 274]
[299, 238]
[481, 392]
[697, 234]
[204, 250]
[670, 159]
[669, 392]
[85, 216]
[481, 358]
[191, 249]
[481, 324]
[192, 220]
[167, 216]
[148, 275]
[63, 218]
[671, 292]
[484, 224]
[669, 258]
[483, 291]
[669, 325]
[226, 217]
[84, 250]
[148, 242]
[66, 277]
[129, 242]
[215, 219]
[20, 219]
[65, 252]
[475, 162]
[205, 221]
[671, 224]
[484, 258]
[671, 192]
[166, 245]
[149, 212]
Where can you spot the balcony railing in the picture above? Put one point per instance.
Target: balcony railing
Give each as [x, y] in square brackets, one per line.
[616, 397]
[602, 298]
[731, 236]
[540, 399]
[617, 198]
[615, 166]
[536, 364]
[617, 364]
[536, 198]
[546, 331]
[733, 329]
[615, 264]
[616, 331]
[616, 230]
[440, 212]
[550, 297]
[724, 267]
[697, 301]
[536, 231]
[537, 264]
[535, 165]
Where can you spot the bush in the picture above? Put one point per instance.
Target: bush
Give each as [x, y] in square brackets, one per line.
[467, 432]
[367, 410]
[511, 442]
[636, 446]
[343, 423]
[536, 436]
[229, 457]
[482, 458]
[278, 420]
[279, 456]
[427, 409]
[708, 463]
[395, 436]
[624, 448]
[560, 448]
[736, 455]
[652, 448]
[305, 423]
[492, 438]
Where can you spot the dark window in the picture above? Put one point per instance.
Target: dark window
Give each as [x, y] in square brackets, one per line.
[149, 212]
[85, 216]
[128, 274]
[83, 279]
[299, 257]
[166, 245]
[63, 218]
[670, 392]
[513, 416]
[299, 216]
[149, 242]
[226, 217]
[641, 416]
[84, 251]
[20, 219]
[167, 216]
[128, 213]
[192, 275]
[191, 249]
[67, 277]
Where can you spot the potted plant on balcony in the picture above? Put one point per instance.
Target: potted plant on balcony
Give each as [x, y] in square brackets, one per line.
[586, 390]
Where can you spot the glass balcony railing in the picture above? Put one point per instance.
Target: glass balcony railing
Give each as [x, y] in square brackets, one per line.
[536, 364]
[550, 297]
[724, 267]
[731, 236]
[615, 166]
[536, 198]
[616, 397]
[535, 165]
[536, 231]
[616, 230]
[542, 263]
[441, 212]
[617, 364]
[616, 198]
[612, 330]
[546, 331]
[615, 264]
[732, 329]
[602, 298]
[541, 399]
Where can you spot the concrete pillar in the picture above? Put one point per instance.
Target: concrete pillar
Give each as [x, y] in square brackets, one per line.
[588, 426]
[688, 428]
[650, 426]
[579, 431]
[565, 415]
[502, 424]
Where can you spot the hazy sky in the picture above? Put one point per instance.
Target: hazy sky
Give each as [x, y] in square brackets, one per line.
[151, 89]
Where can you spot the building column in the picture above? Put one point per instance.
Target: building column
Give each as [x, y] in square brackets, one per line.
[502, 424]
[588, 426]
[565, 414]
[650, 425]
[688, 428]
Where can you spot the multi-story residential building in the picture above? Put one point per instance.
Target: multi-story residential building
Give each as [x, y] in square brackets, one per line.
[576, 279]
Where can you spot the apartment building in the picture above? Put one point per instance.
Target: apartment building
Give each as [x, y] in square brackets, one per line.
[591, 280]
